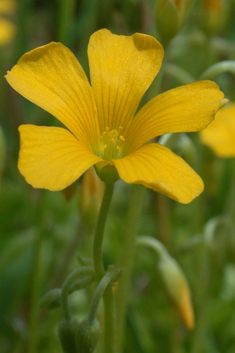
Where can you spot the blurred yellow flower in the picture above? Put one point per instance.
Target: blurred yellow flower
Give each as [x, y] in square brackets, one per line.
[99, 117]
[220, 134]
[214, 6]
[7, 28]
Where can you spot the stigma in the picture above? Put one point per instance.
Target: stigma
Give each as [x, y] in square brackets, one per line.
[111, 142]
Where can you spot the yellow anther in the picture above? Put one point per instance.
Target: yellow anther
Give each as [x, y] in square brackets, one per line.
[112, 141]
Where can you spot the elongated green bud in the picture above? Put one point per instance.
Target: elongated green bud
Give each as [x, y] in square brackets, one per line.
[91, 192]
[170, 17]
[67, 331]
[177, 288]
[174, 280]
[87, 336]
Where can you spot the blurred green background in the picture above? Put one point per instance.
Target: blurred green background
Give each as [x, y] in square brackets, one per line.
[41, 231]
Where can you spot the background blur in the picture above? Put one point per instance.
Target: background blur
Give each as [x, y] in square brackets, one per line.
[41, 231]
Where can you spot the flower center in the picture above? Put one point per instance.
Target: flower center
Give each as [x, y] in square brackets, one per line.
[111, 142]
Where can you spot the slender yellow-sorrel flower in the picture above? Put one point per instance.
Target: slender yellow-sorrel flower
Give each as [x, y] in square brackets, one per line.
[7, 28]
[220, 134]
[103, 129]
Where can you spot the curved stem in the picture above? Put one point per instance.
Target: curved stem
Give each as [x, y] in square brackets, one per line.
[83, 271]
[99, 231]
[153, 243]
[179, 73]
[219, 68]
[98, 295]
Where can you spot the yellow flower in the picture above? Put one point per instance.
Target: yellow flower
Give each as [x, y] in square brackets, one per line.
[220, 134]
[99, 117]
[7, 29]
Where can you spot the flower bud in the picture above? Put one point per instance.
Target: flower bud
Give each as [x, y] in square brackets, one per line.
[87, 336]
[2, 151]
[51, 299]
[177, 288]
[170, 16]
[90, 197]
[214, 15]
[67, 331]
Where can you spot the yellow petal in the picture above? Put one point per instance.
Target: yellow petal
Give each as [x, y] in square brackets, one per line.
[121, 69]
[51, 157]
[158, 168]
[220, 134]
[51, 77]
[184, 109]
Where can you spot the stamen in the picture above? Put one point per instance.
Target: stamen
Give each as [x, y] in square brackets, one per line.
[112, 141]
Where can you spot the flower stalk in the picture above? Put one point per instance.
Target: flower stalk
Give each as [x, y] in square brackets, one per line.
[109, 308]
[126, 260]
[105, 281]
[99, 231]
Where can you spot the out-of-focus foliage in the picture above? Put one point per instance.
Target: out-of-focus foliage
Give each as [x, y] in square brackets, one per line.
[41, 231]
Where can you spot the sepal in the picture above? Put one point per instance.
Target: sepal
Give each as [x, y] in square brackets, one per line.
[87, 336]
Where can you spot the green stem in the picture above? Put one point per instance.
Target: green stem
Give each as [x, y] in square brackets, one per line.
[110, 337]
[179, 73]
[99, 231]
[39, 268]
[38, 274]
[110, 341]
[82, 271]
[66, 11]
[98, 295]
[219, 68]
[126, 260]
